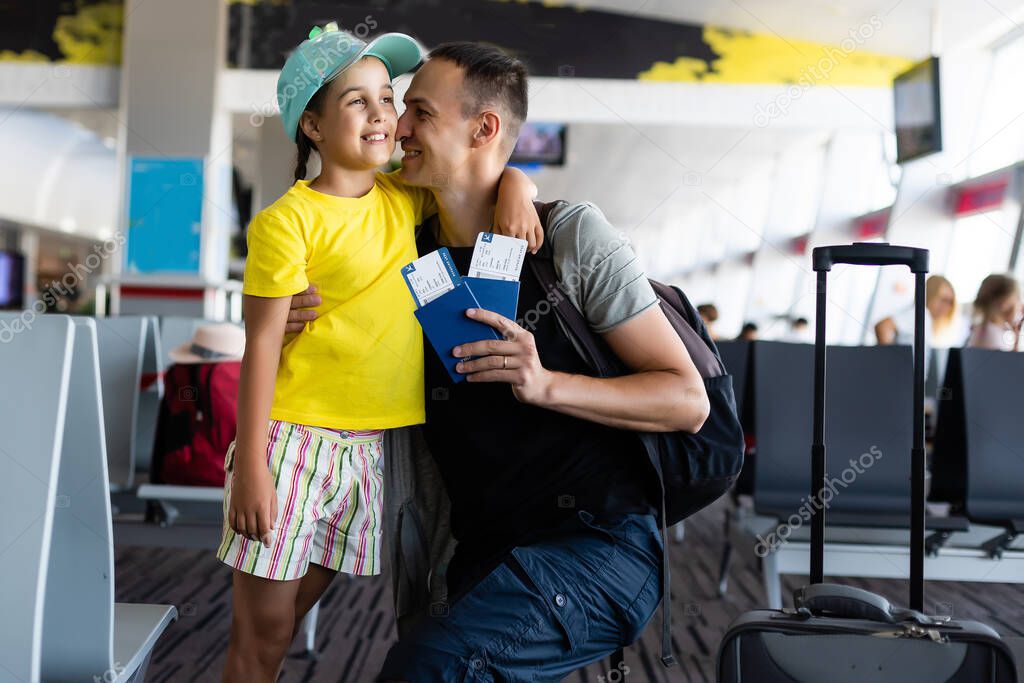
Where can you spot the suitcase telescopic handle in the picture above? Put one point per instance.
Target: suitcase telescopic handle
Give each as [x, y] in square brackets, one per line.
[871, 254]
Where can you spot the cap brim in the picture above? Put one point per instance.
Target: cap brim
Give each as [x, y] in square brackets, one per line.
[399, 52]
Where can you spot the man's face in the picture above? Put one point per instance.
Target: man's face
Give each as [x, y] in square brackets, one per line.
[434, 135]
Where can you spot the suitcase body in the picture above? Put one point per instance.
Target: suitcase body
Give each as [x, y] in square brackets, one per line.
[787, 646]
[841, 634]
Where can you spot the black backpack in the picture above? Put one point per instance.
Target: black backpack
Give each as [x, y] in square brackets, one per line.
[695, 469]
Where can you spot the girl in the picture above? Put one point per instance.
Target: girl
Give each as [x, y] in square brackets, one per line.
[303, 501]
[997, 314]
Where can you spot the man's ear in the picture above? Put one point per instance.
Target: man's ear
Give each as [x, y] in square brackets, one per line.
[309, 123]
[488, 127]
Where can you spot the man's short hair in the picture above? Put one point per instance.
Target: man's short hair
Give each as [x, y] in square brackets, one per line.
[491, 78]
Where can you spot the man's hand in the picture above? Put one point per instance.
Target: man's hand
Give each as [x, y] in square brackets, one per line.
[301, 311]
[513, 360]
[514, 213]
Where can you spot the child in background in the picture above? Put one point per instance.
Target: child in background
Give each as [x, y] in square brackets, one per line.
[303, 498]
[997, 314]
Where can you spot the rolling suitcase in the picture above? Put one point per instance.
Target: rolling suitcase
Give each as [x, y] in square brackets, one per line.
[841, 634]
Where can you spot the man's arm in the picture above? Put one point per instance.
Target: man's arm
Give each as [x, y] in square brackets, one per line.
[885, 331]
[664, 392]
[603, 278]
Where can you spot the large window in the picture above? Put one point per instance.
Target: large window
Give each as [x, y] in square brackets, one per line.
[981, 245]
[776, 274]
[998, 138]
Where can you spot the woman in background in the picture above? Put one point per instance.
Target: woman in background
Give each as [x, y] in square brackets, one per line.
[997, 314]
[940, 315]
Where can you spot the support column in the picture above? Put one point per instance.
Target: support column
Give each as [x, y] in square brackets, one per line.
[175, 156]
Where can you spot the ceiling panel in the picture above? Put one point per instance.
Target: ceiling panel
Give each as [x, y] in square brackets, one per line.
[905, 25]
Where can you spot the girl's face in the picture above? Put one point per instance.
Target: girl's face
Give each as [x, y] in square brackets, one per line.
[355, 128]
[1009, 308]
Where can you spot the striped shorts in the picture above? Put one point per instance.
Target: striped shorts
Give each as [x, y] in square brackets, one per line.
[329, 504]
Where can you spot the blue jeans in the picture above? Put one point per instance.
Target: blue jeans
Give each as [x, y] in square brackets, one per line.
[550, 608]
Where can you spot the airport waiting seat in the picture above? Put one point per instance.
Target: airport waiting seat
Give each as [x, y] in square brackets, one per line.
[869, 406]
[949, 454]
[121, 346]
[736, 358]
[151, 391]
[60, 621]
[979, 456]
[868, 421]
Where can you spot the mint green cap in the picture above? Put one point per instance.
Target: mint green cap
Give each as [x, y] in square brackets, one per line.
[325, 54]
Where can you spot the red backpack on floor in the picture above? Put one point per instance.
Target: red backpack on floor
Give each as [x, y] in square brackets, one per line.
[196, 423]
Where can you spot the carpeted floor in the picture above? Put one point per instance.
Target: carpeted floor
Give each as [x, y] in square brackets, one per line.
[356, 624]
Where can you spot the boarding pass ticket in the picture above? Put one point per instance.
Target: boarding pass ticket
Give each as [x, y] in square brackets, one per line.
[496, 257]
[430, 276]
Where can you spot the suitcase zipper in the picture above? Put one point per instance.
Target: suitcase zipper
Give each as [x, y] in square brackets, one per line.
[914, 631]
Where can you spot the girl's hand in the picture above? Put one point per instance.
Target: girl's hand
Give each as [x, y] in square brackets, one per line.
[514, 214]
[513, 360]
[252, 510]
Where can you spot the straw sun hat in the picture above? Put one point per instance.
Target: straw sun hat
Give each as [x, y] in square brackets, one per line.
[216, 343]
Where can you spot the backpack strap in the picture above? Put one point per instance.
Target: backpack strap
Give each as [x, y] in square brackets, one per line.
[604, 361]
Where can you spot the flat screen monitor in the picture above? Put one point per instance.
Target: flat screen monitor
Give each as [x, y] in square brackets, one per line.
[12, 280]
[540, 143]
[916, 111]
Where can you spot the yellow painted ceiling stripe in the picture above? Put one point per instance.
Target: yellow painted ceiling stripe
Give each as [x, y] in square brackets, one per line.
[766, 58]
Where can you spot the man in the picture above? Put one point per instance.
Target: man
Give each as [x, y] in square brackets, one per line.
[558, 560]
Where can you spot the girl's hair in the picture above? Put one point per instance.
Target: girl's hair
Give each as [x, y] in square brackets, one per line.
[302, 140]
[933, 288]
[993, 290]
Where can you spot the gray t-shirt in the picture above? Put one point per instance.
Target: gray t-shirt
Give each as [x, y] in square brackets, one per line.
[597, 267]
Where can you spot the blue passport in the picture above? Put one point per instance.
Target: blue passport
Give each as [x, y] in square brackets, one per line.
[445, 323]
[500, 296]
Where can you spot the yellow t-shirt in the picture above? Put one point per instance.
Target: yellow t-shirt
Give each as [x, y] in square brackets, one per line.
[359, 365]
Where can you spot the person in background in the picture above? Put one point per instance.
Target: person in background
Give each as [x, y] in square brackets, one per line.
[709, 314]
[748, 332]
[997, 314]
[799, 331]
[940, 317]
